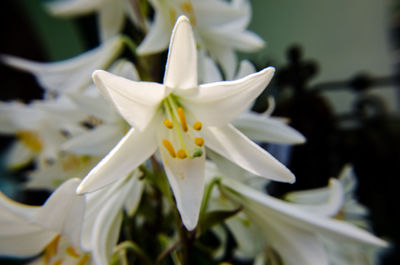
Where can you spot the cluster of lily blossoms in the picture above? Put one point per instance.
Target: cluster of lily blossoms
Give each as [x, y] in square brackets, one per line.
[147, 172]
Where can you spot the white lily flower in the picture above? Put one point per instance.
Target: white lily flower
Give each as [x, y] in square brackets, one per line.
[348, 210]
[39, 132]
[111, 13]
[27, 230]
[258, 127]
[220, 28]
[181, 117]
[71, 74]
[292, 232]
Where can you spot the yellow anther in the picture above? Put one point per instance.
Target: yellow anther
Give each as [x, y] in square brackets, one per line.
[30, 139]
[182, 119]
[71, 162]
[83, 260]
[181, 154]
[167, 144]
[168, 124]
[187, 8]
[51, 249]
[72, 252]
[199, 141]
[197, 126]
[58, 262]
[172, 16]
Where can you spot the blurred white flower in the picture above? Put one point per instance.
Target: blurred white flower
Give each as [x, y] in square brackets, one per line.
[348, 210]
[71, 74]
[181, 117]
[219, 26]
[40, 128]
[111, 13]
[28, 230]
[295, 234]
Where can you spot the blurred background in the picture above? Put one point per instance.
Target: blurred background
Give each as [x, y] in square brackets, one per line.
[337, 80]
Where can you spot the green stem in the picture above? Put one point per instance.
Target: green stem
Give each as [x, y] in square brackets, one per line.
[130, 245]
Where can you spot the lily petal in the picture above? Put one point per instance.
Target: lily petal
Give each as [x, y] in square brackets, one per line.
[157, 38]
[186, 177]
[111, 19]
[63, 212]
[71, 74]
[121, 160]
[72, 7]
[233, 145]
[181, 68]
[98, 141]
[137, 102]
[259, 203]
[325, 201]
[227, 99]
[267, 129]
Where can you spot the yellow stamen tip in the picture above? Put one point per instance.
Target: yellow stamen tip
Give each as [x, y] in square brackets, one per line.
[168, 124]
[30, 139]
[199, 141]
[167, 144]
[83, 260]
[72, 252]
[182, 119]
[197, 126]
[58, 262]
[181, 154]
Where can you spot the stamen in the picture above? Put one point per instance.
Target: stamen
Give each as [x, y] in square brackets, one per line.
[182, 119]
[181, 154]
[172, 16]
[58, 262]
[83, 260]
[167, 144]
[188, 9]
[72, 252]
[51, 249]
[199, 141]
[197, 126]
[168, 124]
[30, 139]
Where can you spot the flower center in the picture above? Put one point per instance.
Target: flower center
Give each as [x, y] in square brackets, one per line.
[59, 251]
[182, 139]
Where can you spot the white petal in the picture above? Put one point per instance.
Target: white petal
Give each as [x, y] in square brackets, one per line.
[128, 154]
[210, 70]
[18, 155]
[157, 38]
[111, 19]
[63, 212]
[245, 68]
[133, 200]
[181, 67]
[186, 177]
[107, 225]
[98, 141]
[72, 7]
[295, 245]
[218, 103]
[72, 74]
[267, 129]
[137, 102]
[270, 207]
[233, 145]
[325, 202]
[18, 236]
